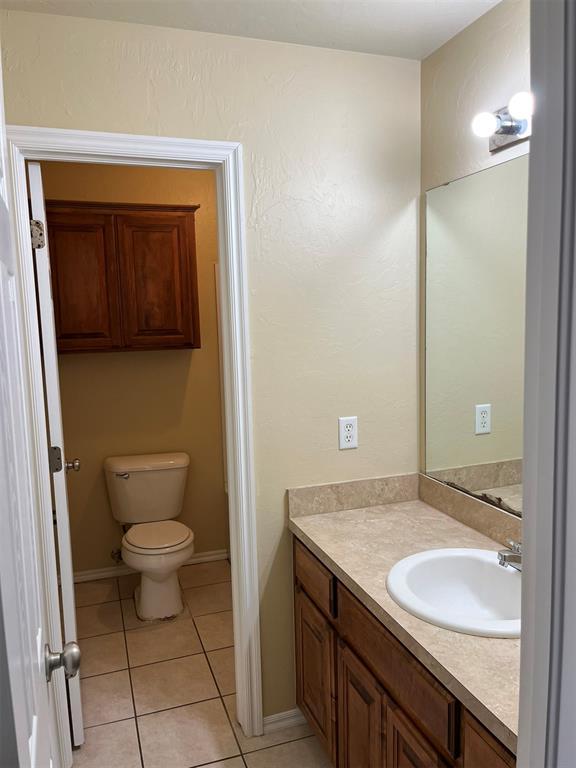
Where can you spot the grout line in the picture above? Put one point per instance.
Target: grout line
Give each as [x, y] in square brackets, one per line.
[214, 673]
[104, 634]
[100, 602]
[207, 584]
[99, 674]
[236, 739]
[178, 706]
[278, 744]
[108, 722]
[165, 661]
[212, 613]
[132, 691]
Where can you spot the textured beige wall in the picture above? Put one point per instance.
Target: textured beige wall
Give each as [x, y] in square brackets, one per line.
[332, 174]
[144, 402]
[478, 70]
[476, 270]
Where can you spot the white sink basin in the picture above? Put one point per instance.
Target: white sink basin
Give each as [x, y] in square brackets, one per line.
[465, 590]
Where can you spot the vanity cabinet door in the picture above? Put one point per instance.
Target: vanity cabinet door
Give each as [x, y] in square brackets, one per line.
[481, 750]
[315, 670]
[405, 746]
[361, 708]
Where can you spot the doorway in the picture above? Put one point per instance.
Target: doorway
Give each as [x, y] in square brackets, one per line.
[223, 162]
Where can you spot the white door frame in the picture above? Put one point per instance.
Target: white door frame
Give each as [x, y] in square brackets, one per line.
[225, 158]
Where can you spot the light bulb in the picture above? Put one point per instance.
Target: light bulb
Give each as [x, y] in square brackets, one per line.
[485, 124]
[521, 105]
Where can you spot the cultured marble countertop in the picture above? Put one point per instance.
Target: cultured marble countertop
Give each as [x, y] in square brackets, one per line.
[360, 546]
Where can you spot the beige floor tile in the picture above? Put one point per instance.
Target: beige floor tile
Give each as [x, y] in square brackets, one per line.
[93, 592]
[209, 599]
[222, 663]
[128, 584]
[160, 642]
[106, 698]
[187, 736]
[109, 746]
[101, 619]
[215, 630]
[131, 620]
[172, 684]
[306, 753]
[234, 762]
[200, 574]
[102, 654]
[270, 739]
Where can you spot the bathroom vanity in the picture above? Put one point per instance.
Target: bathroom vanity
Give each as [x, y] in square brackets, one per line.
[379, 686]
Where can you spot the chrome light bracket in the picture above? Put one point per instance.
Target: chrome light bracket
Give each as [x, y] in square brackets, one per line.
[510, 132]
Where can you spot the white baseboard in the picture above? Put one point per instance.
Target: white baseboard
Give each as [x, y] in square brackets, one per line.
[123, 570]
[289, 719]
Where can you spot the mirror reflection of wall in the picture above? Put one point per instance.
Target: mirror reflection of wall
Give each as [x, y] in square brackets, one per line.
[475, 301]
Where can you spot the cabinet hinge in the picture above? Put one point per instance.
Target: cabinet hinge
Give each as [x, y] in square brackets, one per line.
[55, 458]
[37, 234]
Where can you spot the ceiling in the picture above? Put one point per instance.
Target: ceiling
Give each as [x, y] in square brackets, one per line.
[407, 28]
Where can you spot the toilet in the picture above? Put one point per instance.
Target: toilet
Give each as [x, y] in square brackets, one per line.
[146, 493]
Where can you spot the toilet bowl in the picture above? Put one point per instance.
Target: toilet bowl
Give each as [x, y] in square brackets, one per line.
[146, 494]
[157, 551]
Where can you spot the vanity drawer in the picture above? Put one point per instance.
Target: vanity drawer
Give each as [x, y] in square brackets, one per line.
[315, 579]
[431, 706]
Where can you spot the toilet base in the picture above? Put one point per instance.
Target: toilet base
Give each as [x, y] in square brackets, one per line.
[158, 599]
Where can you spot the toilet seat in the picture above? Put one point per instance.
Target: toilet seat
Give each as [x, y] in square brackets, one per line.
[157, 538]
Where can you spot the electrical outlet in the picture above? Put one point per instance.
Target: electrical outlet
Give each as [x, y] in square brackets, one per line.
[348, 432]
[483, 419]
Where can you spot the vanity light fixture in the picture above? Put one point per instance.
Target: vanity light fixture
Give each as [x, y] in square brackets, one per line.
[508, 125]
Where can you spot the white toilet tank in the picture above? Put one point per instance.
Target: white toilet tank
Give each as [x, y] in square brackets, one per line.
[147, 488]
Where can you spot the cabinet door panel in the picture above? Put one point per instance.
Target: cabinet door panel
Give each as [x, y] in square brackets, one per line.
[481, 750]
[405, 746]
[315, 683]
[84, 281]
[158, 277]
[360, 714]
[421, 696]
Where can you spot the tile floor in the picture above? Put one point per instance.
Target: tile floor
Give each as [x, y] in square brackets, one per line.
[162, 694]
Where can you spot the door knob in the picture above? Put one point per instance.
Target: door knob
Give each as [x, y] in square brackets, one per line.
[69, 659]
[73, 465]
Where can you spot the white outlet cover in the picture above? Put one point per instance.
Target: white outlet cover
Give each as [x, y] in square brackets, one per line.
[483, 415]
[347, 432]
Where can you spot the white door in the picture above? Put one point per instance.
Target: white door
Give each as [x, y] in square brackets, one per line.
[56, 440]
[23, 575]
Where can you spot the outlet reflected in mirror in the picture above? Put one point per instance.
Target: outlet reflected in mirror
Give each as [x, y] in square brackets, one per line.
[475, 302]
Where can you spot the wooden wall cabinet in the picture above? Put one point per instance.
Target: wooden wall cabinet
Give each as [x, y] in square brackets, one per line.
[123, 276]
[371, 703]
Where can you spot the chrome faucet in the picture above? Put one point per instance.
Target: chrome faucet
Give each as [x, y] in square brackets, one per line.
[511, 557]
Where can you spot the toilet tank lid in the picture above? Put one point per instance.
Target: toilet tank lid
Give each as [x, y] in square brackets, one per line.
[146, 462]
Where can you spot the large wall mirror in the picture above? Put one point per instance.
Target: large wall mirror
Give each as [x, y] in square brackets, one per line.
[475, 302]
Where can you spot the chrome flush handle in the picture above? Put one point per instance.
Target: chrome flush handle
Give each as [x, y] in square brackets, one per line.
[73, 465]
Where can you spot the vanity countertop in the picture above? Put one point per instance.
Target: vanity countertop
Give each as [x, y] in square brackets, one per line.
[360, 546]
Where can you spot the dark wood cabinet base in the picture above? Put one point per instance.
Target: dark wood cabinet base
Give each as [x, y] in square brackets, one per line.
[371, 703]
